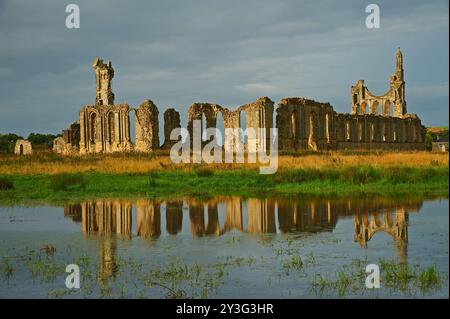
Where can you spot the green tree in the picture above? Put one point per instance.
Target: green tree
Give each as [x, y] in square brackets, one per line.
[8, 142]
[41, 141]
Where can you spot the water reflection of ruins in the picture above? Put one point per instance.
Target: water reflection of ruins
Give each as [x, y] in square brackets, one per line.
[222, 215]
[256, 216]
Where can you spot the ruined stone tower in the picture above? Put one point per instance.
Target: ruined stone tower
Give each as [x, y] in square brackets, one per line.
[103, 76]
[398, 86]
[392, 103]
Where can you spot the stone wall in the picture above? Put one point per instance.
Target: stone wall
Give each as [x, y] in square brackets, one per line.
[105, 129]
[171, 122]
[147, 127]
[69, 141]
[304, 124]
[23, 147]
[257, 115]
[309, 125]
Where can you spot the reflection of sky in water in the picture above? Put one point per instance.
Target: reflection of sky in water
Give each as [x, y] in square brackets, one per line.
[335, 231]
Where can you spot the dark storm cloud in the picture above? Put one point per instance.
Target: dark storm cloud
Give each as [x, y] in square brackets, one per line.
[227, 52]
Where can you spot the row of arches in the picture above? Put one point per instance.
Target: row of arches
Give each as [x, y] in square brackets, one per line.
[253, 116]
[119, 128]
[313, 125]
[377, 130]
[305, 124]
[373, 107]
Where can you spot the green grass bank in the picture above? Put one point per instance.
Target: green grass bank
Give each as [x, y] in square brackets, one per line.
[204, 182]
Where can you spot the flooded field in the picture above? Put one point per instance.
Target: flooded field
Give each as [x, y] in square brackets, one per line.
[227, 247]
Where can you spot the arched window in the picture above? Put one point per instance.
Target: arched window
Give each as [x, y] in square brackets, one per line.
[363, 108]
[243, 126]
[347, 130]
[372, 132]
[312, 137]
[374, 108]
[387, 108]
[93, 127]
[111, 129]
[327, 127]
[360, 131]
[294, 121]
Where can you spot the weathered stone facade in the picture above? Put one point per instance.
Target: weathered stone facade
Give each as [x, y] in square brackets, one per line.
[257, 115]
[307, 124]
[392, 102]
[171, 122]
[302, 124]
[69, 141]
[23, 147]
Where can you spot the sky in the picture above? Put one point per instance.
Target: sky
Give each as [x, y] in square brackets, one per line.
[228, 52]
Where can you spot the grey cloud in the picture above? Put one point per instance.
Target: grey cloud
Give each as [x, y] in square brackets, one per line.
[227, 52]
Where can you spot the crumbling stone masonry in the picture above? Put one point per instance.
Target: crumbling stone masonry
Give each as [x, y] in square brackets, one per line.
[105, 126]
[307, 124]
[375, 122]
[146, 127]
[171, 122]
[69, 142]
[105, 129]
[257, 115]
[103, 76]
[23, 147]
[393, 101]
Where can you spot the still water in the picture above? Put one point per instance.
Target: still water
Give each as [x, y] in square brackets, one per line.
[227, 247]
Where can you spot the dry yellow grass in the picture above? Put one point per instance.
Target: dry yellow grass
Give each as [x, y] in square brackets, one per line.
[48, 163]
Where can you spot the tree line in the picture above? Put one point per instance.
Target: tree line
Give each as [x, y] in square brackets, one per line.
[38, 141]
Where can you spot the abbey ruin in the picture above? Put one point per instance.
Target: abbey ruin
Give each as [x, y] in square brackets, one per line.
[375, 122]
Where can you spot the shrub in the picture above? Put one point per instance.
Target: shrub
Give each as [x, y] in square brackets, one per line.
[62, 182]
[5, 184]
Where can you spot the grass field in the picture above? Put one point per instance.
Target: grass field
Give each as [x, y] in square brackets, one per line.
[48, 177]
[126, 163]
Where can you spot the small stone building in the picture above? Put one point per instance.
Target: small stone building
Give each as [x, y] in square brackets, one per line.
[23, 147]
[440, 145]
